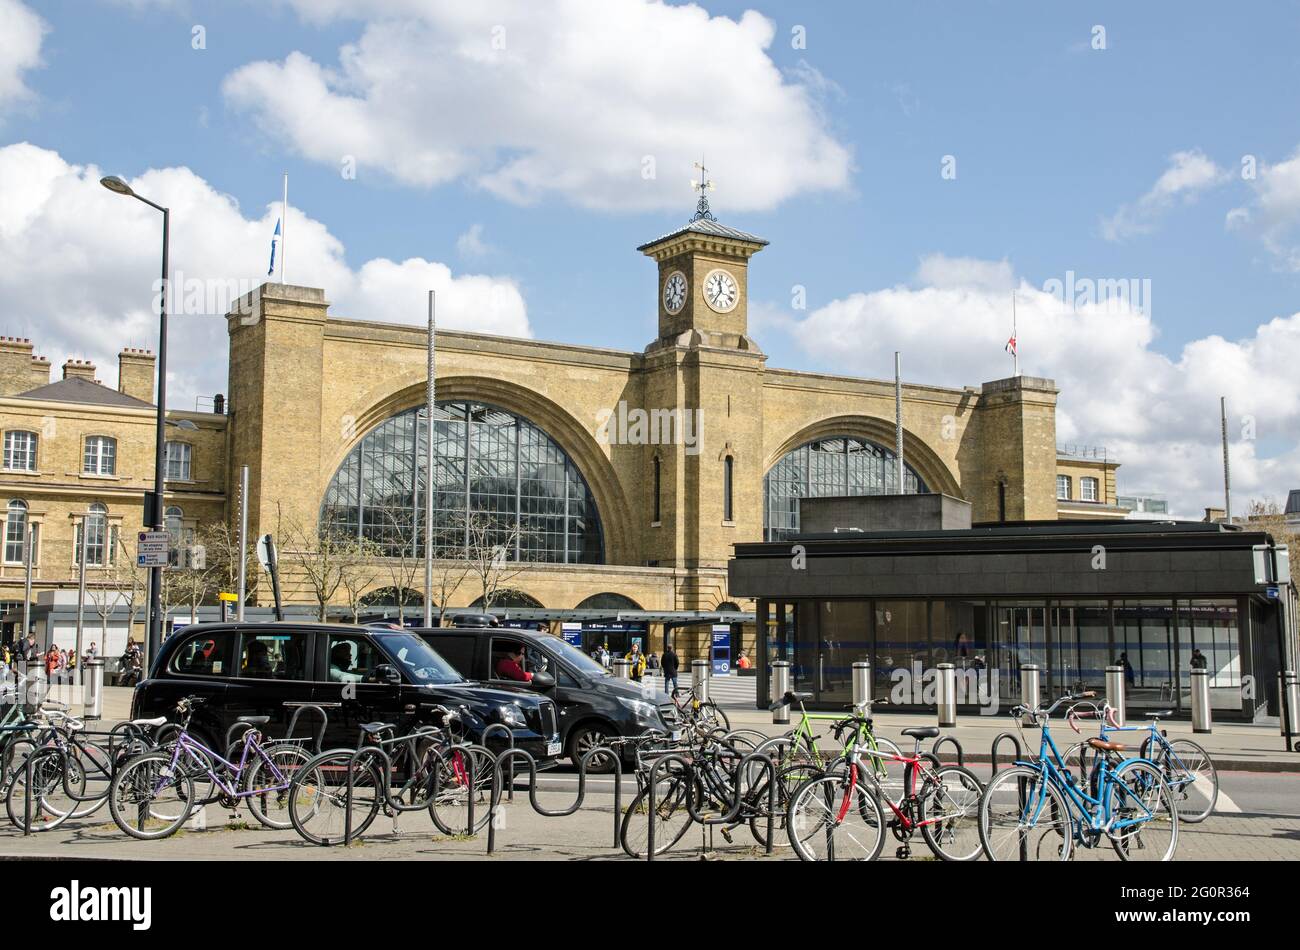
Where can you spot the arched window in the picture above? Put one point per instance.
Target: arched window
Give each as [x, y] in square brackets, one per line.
[498, 482]
[180, 539]
[608, 601]
[16, 532]
[94, 526]
[100, 456]
[507, 598]
[728, 467]
[841, 465]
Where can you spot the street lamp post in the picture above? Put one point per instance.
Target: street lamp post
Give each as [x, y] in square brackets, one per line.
[119, 186]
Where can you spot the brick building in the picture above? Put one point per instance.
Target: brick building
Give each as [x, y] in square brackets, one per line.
[631, 473]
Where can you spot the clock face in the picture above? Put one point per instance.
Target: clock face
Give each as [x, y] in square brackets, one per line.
[721, 291]
[675, 292]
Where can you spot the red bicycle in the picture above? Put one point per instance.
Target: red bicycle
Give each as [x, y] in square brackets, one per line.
[837, 815]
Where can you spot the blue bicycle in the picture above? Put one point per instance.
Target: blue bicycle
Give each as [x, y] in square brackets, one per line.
[1038, 810]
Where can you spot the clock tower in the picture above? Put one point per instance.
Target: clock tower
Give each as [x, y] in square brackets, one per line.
[703, 271]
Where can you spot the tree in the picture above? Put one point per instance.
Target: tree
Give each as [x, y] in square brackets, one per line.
[124, 585]
[402, 563]
[221, 544]
[357, 579]
[322, 555]
[492, 543]
[451, 566]
[1267, 514]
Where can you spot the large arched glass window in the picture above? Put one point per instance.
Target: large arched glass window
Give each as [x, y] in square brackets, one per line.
[498, 480]
[16, 532]
[835, 466]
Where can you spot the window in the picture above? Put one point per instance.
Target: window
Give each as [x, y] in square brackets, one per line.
[206, 655]
[1088, 489]
[16, 533]
[20, 451]
[503, 650]
[180, 539]
[657, 487]
[94, 524]
[835, 466]
[100, 456]
[728, 465]
[458, 651]
[178, 461]
[275, 656]
[1063, 487]
[498, 480]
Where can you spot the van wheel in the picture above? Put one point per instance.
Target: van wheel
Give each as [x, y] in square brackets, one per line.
[585, 738]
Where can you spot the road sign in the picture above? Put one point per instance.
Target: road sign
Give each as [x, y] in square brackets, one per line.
[152, 549]
[226, 595]
[265, 552]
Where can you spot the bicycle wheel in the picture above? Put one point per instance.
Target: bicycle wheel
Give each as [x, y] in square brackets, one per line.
[270, 803]
[97, 768]
[830, 819]
[787, 781]
[949, 811]
[57, 782]
[149, 799]
[1023, 817]
[1144, 818]
[318, 801]
[449, 809]
[1192, 778]
[672, 818]
[1081, 757]
[711, 717]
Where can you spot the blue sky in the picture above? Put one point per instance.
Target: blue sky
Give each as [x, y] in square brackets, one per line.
[1055, 143]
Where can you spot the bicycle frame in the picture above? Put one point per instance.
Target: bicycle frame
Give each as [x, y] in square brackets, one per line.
[1185, 775]
[196, 751]
[862, 735]
[912, 764]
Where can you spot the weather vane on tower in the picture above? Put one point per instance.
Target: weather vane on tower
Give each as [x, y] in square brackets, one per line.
[703, 186]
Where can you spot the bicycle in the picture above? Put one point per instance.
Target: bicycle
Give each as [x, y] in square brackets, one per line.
[1187, 767]
[691, 710]
[153, 794]
[1037, 809]
[340, 792]
[841, 808]
[799, 745]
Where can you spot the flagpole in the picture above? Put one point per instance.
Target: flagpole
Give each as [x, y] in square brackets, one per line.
[284, 226]
[1015, 350]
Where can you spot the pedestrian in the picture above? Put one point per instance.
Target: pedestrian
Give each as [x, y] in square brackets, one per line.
[33, 653]
[51, 660]
[652, 663]
[1129, 675]
[670, 664]
[637, 670]
[743, 662]
[1198, 659]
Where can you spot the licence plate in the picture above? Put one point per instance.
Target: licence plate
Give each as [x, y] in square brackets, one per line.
[553, 748]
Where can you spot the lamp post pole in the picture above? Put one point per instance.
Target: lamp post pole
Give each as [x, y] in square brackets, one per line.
[157, 522]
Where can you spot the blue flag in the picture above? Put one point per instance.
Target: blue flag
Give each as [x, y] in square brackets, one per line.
[271, 270]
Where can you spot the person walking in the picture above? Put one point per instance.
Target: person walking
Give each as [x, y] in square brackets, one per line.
[670, 663]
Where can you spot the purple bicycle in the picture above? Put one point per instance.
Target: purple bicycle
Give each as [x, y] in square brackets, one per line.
[154, 794]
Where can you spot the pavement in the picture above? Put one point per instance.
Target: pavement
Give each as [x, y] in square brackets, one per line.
[1258, 816]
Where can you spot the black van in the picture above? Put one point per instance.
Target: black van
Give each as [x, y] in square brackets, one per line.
[593, 703]
[357, 674]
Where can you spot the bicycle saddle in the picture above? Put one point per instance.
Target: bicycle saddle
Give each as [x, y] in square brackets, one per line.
[921, 732]
[153, 723]
[370, 728]
[1162, 714]
[1103, 746]
[254, 720]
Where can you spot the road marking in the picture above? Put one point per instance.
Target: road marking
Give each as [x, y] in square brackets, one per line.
[1224, 804]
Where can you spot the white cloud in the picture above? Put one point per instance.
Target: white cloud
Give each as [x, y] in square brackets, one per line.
[471, 243]
[21, 33]
[80, 263]
[1158, 414]
[572, 99]
[1188, 176]
[1275, 213]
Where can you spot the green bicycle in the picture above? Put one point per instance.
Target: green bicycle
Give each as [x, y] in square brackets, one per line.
[798, 747]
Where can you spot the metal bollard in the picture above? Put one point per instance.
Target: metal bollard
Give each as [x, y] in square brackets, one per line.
[622, 667]
[945, 694]
[700, 679]
[779, 686]
[1289, 704]
[1031, 685]
[1115, 692]
[92, 689]
[861, 682]
[1202, 721]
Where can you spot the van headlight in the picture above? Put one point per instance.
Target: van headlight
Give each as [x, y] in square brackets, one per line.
[642, 710]
[512, 716]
